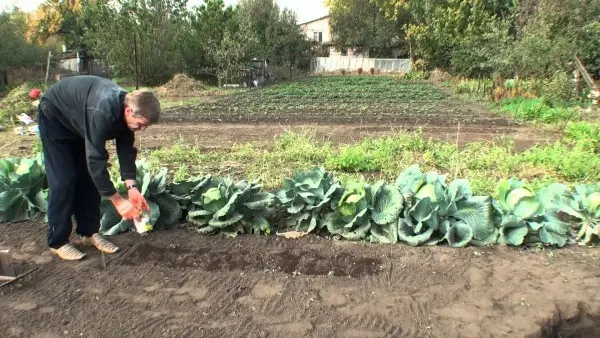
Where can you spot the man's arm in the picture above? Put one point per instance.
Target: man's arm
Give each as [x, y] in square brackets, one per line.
[127, 154]
[98, 126]
[97, 157]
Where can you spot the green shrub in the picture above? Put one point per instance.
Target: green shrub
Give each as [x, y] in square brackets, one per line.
[17, 102]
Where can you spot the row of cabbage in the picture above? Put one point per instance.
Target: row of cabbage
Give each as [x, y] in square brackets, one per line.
[418, 209]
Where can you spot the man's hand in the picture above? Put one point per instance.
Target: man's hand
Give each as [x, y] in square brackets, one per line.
[138, 199]
[124, 207]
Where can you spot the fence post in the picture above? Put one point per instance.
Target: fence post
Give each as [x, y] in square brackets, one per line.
[48, 66]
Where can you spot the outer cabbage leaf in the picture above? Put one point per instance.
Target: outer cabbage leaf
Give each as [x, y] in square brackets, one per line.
[459, 235]
[22, 189]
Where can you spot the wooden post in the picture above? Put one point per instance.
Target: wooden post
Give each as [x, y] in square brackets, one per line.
[577, 80]
[6, 264]
[48, 66]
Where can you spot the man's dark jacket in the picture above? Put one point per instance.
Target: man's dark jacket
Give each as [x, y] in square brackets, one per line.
[92, 108]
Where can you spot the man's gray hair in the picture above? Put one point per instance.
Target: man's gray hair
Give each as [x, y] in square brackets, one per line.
[145, 104]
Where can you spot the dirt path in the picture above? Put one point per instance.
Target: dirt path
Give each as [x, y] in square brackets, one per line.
[179, 284]
[224, 135]
[215, 136]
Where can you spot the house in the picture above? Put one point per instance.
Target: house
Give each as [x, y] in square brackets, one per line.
[319, 30]
[73, 63]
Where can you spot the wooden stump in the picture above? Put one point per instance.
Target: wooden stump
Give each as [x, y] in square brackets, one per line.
[7, 270]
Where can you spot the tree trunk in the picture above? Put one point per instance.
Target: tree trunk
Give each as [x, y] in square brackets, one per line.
[411, 53]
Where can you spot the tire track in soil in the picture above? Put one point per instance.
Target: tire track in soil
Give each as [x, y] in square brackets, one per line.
[379, 311]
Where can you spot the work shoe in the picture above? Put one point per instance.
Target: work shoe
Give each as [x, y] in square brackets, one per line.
[100, 243]
[68, 252]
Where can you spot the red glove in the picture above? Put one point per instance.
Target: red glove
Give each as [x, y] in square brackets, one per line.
[137, 199]
[126, 209]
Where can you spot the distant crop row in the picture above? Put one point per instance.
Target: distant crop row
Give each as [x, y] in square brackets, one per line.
[351, 87]
[338, 95]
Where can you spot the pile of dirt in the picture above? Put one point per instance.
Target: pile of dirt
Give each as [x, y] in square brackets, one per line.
[181, 86]
[439, 76]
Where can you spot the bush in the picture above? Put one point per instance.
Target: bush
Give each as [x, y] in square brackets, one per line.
[558, 89]
[17, 102]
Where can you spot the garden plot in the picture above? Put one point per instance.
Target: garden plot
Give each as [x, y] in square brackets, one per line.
[340, 100]
[181, 283]
[340, 109]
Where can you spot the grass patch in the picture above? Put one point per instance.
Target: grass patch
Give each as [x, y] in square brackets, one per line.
[536, 109]
[571, 161]
[484, 164]
[585, 133]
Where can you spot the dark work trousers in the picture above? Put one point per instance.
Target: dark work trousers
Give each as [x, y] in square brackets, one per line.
[71, 189]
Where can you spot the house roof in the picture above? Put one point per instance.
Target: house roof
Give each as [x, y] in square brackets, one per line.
[321, 18]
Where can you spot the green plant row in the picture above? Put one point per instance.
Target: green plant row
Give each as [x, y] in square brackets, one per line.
[418, 209]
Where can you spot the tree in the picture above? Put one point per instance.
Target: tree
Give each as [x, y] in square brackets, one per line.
[137, 37]
[289, 43]
[58, 19]
[363, 25]
[16, 51]
[556, 31]
[261, 17]
[236, 45]
[208, 24]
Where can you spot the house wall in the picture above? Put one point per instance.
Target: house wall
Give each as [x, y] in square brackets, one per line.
[321, 25]
[92, 67]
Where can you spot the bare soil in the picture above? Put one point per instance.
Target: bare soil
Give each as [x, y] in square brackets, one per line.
[181, 284]
[214, 135]
[211, 136]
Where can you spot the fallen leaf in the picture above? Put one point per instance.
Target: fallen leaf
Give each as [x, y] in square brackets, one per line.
[292, 234]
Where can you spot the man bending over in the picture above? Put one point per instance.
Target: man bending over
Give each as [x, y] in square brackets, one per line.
[76, 117]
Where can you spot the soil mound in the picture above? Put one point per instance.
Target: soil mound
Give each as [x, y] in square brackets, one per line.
[181, 86]
[439, 76]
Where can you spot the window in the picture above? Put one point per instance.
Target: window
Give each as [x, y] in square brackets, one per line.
[318, 36]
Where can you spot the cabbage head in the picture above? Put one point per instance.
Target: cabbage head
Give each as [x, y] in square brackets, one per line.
[583, 205]
[219, 205]
[385, 203]
[527, 217]
[165, 211]
[307, 198]
[436, 212]
[350, 218]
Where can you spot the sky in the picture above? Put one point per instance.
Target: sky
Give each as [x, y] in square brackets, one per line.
[306, 10]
